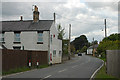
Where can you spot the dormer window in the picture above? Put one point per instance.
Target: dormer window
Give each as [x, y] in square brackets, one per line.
[17, 37]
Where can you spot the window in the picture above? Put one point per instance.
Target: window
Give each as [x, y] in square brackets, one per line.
[40, 37]
[60, 53]
[54, 53]
[51, 38]
[17, 47]
[17, 37]
[2, 37]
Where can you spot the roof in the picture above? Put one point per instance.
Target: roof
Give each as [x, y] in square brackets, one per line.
[95, 46]
[28, 25]
[2, 46]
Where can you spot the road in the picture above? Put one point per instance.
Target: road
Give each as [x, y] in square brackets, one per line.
[76, 68]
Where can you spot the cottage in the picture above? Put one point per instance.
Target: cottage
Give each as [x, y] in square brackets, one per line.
[90, 49]
[39, 35]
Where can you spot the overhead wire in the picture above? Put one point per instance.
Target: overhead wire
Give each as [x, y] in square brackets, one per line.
[76, 20]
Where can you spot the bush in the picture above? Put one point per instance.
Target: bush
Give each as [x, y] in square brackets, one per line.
[108, 45]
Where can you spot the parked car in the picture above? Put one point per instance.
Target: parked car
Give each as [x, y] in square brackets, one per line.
[79, 54]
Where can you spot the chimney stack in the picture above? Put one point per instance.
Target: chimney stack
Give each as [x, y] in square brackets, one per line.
[35, 14]
[21, 18]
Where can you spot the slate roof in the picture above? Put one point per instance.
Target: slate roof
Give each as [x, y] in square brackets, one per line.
[95, 46]
[27, 25]
[2, 46]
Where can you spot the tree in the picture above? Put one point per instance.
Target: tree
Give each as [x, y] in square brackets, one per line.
[65, 46]
[112, 37]
[80, 42]
[84, 49]
[111, 42]
[61, 32]
[72, 48]
[95, 42]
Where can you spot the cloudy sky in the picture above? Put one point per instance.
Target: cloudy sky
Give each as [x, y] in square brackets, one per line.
[85, 17]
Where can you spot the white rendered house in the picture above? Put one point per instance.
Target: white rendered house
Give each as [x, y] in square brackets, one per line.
[38, 35]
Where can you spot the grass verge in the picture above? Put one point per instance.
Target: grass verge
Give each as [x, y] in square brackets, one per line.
[22, 69]
[102, 75]
[104, 59]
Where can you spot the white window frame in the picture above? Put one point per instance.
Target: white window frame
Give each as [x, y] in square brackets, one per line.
[2, 37]
[16, 38]
[40, 37]
[54, 53]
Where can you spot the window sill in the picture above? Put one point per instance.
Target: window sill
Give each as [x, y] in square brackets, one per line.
[17, 42]
[39, 42]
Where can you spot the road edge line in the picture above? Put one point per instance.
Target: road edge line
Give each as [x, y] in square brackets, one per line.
[96, 71]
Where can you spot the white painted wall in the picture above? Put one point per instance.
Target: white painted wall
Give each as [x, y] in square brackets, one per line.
[55, 45]
[89, 51]
[9, 39]
[28, 39]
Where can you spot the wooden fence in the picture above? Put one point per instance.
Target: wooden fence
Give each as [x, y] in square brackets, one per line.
[12, 59]
[113, 62]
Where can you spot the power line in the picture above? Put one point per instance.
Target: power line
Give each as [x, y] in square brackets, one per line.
[76, 20]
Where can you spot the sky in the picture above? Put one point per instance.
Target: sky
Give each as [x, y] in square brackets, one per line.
[85, 16]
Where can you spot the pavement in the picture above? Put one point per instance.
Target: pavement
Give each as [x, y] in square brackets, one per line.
[79, 67]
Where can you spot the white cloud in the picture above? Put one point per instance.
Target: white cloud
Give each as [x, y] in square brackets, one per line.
[86, 18]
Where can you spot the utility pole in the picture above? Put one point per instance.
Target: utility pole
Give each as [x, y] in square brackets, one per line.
[69, 41]
[105, 37]
[93, 46]
[105, 29]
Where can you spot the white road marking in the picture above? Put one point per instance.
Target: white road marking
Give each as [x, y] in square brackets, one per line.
[62, 70]
[74, 66]
[47, 76]
[97, 70]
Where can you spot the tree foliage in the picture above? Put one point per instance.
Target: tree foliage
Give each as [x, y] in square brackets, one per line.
[111, 42]
[65, 46]
[94, 42]
[80, 42]
[112, 37]
[72, 48]
[61, 32]
[84, 49]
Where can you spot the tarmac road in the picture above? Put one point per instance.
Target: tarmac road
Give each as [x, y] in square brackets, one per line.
[80, 67]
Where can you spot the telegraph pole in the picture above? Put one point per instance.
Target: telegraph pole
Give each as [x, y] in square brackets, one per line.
[93, 46]
[69, 41]
[105, 37]
[105, 29]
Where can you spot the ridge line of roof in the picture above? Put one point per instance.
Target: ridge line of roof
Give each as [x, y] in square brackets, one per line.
[24, 20]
